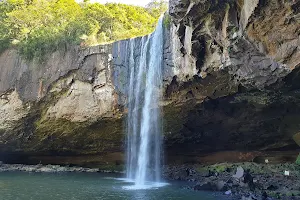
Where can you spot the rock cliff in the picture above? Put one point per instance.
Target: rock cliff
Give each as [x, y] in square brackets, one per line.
[244, 96]
[231, 82]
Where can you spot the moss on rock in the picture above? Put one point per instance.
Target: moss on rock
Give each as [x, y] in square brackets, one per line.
[298, 160]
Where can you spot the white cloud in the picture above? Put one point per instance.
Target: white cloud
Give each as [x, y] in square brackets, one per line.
[132, 2]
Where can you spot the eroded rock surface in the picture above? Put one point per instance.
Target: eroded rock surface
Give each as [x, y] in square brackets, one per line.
[244, 95]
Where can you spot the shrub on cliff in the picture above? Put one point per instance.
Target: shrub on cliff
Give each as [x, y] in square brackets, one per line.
[38, 27]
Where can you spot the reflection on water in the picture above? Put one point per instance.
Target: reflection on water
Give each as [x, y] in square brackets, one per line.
[85, 186]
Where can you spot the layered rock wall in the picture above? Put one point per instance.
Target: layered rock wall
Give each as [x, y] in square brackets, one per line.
[230, 83]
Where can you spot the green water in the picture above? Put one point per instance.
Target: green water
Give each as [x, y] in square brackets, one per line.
[85, 186]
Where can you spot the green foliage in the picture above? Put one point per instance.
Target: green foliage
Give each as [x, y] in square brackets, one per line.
[167, 21]
[157, 7]
[39, 27]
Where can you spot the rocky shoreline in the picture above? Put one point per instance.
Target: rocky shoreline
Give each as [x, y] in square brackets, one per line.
[49, 169]
[245, 181]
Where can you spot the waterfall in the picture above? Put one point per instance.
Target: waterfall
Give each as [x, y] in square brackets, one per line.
[144, 120]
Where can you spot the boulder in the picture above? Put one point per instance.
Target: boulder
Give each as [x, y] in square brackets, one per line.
[239, 173]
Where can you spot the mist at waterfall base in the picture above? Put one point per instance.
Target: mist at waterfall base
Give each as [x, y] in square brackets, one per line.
[143, 120]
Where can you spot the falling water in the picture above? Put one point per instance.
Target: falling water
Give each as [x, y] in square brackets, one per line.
[143, 122]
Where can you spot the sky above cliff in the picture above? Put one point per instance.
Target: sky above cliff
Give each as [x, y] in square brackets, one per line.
[132, 2]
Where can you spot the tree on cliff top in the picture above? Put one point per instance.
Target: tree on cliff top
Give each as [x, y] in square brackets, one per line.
[39, 27]
[157, 7]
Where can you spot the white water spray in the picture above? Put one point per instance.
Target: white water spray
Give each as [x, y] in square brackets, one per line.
[144, 121]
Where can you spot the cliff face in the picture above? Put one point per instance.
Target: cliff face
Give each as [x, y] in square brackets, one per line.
[247, 56]
[230, 83]
[67, 105]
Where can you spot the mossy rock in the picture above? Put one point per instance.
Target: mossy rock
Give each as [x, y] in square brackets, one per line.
[296, 138]
[219, 168]
[240, 4]
[298, 160]
[167, 21]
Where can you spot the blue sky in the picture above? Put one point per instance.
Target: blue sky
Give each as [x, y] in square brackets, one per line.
[133, 2]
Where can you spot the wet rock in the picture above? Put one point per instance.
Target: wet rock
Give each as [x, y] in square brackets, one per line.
[249, 180]
[222, 186]
[209, 173]
[206, 187]
[272, 187]
[250, 197]
[264, 196]
[246, 198]
[228, 192]
[212, 186]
